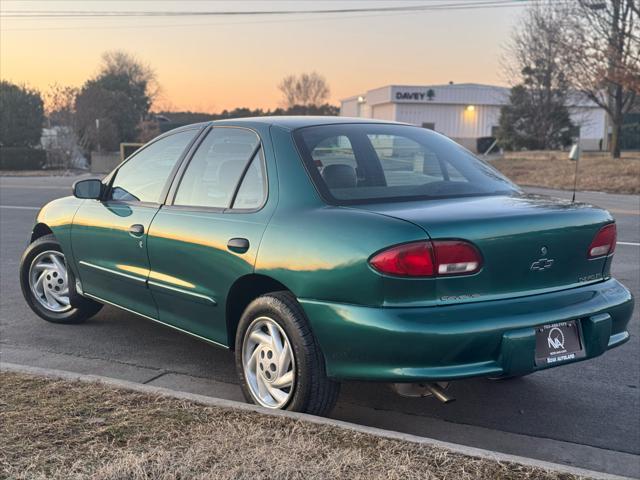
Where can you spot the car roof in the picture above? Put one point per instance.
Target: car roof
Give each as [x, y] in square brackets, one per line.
[295, 122]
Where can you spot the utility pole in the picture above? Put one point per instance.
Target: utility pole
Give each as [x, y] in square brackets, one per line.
[98, 133]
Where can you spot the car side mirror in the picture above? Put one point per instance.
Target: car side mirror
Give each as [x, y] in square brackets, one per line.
[90, 188]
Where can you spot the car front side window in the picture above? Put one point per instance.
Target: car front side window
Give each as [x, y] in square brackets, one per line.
[221, 161]
[143, 177]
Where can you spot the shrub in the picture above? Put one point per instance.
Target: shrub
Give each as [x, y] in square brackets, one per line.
[22, 158]
[21, 115]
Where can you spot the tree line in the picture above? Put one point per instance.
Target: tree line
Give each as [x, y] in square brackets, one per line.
[115, 106]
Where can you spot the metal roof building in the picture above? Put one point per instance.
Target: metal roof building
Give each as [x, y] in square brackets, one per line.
[464, 112]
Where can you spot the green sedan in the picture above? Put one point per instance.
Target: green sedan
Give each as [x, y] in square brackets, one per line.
[326, 249]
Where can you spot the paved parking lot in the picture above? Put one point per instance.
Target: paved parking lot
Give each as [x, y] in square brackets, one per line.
[584, 414]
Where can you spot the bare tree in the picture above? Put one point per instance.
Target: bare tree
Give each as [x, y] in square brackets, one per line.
[537, 117]
[59, 139]
[59, 105]
[306, 89]
[602, 54]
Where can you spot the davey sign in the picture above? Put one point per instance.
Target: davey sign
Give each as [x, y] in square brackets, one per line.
[414, 95]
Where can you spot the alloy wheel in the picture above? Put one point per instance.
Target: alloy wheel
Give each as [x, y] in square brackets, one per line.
[268, 363]
[49, 282]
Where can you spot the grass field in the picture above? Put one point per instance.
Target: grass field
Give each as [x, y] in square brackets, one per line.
[596, 171]
[54, 429]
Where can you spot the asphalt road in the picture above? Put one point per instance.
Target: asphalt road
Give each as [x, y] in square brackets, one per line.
[586, 414]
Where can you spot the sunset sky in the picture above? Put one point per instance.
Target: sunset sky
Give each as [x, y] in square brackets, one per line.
[212, 63]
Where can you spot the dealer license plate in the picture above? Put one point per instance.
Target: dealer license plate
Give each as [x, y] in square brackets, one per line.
[558, 342]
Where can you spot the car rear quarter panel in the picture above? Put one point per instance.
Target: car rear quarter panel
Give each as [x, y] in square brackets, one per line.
[322, 253]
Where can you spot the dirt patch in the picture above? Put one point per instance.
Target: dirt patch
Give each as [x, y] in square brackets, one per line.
[596, 172]
[58, 429]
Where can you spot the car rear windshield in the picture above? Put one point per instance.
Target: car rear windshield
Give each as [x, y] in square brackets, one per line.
[362, 163]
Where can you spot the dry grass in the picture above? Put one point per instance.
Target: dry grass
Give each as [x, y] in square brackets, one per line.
[58, 429]
[554, 170]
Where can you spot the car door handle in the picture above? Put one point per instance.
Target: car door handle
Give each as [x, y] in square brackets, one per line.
[238, 245]
[136, 230]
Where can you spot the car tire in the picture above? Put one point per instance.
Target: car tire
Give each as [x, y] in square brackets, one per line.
[279, 316]
[44, 260]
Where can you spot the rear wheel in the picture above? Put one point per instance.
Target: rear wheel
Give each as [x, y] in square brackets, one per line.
[48, 285]
[278, 360]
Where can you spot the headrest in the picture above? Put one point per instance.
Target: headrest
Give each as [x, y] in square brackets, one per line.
[340, 176]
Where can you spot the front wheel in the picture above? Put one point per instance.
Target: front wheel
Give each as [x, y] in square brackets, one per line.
[278, 360]
[48, 285]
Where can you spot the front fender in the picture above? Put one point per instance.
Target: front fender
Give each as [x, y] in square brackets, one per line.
[57, 217]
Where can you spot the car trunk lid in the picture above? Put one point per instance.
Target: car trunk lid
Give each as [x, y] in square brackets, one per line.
[529, 244]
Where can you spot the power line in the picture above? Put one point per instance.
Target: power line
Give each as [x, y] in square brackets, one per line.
[296, 19]
[470, 5]
[227, 1]
[202, 13]
[216, 24]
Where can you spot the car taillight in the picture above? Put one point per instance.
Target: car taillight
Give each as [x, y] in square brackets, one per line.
[604, 243]
[408, 260]
[428, 259]
[455, 257]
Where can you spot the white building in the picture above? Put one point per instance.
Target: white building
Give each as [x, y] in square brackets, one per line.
[463, 112]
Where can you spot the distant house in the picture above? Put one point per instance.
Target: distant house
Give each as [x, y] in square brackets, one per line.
[464, 112]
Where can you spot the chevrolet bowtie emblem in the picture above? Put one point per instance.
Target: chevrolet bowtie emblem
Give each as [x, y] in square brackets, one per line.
[542, 264]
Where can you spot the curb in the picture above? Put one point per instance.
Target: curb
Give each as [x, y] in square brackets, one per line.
[378, 432]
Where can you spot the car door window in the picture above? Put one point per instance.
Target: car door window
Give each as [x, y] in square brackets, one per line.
[143, 177]
[216, 168]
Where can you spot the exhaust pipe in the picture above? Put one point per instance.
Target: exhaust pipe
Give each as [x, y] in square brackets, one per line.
[438, 392]
[422, 390]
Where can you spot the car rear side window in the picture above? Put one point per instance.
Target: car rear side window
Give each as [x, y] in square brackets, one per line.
[143, 177]
[221, 161]
[377, 162]
[253, 189]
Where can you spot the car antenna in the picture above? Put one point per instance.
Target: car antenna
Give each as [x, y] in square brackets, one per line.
[574, 155]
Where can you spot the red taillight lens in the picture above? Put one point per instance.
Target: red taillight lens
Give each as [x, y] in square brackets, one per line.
[604, 243]
[408, 260]
[428, 259]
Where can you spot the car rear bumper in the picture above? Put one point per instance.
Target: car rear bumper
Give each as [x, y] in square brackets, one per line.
[491, 338]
